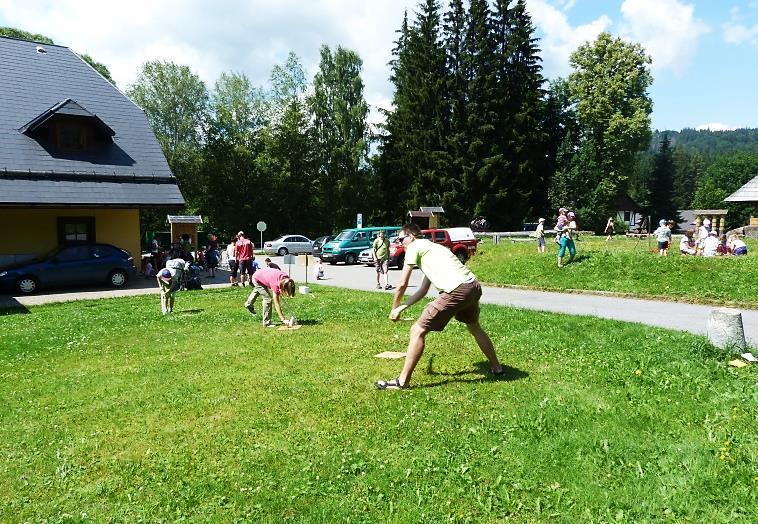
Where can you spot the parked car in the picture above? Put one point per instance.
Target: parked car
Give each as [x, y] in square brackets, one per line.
[73, 265]
[529, 226]
[366, 257]
[319, 243]
[350, 242]
[459, 240]
[287, 244]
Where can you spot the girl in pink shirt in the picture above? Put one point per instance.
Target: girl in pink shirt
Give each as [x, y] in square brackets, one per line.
[270, 283]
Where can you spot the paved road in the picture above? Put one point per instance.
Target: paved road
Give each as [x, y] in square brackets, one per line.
[684, 317]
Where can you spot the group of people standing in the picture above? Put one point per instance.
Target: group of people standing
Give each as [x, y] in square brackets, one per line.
[565, 233]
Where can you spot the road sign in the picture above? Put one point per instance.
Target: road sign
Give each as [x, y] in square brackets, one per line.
[261, 226]
[360, 220]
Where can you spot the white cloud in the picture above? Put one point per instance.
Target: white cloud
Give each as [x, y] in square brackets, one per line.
[225, 35]
[735, 32]
[558, 38]
[715, 126]
[667, 29]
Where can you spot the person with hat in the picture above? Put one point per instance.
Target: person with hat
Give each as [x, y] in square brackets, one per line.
[663, 237]
[566, 240]
[711, 245]
[169, 281]
[702, 234]
[540, 234]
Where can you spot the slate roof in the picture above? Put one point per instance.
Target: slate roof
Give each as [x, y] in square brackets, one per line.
[624, 202]
[747, 193]
[34, 87]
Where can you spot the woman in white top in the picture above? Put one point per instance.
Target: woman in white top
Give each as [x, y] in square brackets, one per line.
[736, 245]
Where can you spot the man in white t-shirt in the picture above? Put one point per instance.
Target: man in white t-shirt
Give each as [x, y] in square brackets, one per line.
[459, 297]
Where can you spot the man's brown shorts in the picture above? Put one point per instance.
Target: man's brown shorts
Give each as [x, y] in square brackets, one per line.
[461, 303]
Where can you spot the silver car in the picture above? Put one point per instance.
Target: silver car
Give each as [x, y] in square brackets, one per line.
[287, 244]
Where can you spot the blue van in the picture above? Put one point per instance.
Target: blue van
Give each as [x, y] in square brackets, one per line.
[350, 242]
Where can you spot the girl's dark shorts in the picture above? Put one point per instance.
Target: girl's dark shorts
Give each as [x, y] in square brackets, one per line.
[461, 303]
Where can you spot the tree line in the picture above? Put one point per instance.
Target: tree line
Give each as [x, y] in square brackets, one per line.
[696, 170]
[474, 127]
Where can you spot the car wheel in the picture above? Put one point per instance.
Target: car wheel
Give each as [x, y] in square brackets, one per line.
[462, 256]
[27, 285]
[117, 278]
[349, 259]
[282, 251]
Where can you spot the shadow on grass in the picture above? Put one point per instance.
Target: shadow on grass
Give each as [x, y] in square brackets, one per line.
[307, 322]
[189, 311]
[509, 374]
[11, 306]
[579, 259]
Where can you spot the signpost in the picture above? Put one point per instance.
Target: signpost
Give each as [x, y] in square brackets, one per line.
[359, 220]
[261, 226]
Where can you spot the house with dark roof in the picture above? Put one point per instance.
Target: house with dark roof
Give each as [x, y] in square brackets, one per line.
[78, 159]
[627, 211]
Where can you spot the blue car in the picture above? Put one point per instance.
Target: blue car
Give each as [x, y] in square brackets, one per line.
[73, 265]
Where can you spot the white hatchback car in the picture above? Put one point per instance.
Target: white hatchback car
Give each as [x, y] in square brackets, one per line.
[287, 244]
[366, 257]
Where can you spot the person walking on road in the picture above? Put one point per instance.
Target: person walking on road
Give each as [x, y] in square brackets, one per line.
[459, 296]
[380, 250]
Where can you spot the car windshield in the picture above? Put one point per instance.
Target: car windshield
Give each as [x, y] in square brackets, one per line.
[345, 235]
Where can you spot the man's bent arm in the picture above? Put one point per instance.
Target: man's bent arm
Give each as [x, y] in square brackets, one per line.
[402, 285]
[423, 289]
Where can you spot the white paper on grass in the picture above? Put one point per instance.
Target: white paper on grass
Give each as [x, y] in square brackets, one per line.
[749, 357]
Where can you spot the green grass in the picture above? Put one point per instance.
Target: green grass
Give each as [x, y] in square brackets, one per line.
[623, 266]
[112, 413]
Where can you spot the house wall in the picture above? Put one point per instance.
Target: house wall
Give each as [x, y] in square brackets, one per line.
[34, 231]
[633, 217]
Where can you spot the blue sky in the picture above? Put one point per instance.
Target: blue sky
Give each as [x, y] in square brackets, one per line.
[705, 52]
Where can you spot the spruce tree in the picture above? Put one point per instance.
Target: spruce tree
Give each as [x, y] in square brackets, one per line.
[482, 116]
[454, 198]
[393, 169]
[662, 183]
[521, 107]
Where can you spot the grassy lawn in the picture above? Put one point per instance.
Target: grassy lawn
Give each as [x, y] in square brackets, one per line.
[111, 412]
[623, 266]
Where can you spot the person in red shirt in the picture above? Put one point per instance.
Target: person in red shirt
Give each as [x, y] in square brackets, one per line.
[245, 256]
[270, 283]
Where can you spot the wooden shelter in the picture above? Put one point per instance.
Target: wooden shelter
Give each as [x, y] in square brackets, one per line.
[184, 225]
[427, 217]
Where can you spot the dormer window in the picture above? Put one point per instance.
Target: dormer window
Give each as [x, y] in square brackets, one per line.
[69, 128]
[73, 135]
